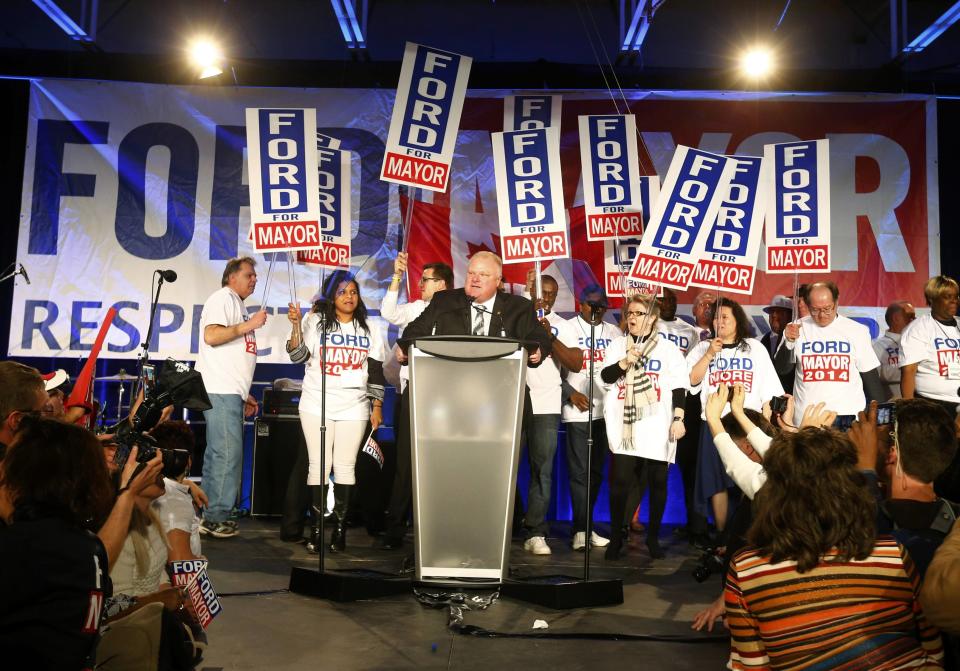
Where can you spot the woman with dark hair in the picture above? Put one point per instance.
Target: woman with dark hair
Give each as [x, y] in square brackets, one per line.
[818, 589]
[54, 493]
[730, 357]
[354, 392]
[644, 391]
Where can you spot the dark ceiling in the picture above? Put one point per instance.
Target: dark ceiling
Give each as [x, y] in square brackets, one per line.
[820, 44]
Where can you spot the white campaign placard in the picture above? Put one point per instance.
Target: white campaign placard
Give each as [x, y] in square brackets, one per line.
[618, 256]
[696, 183]
[327, 141]
[798, 207]
[729, 261]
[282, 174]
[426, 117]
[611, 176]
[334, 183]
[529, 112]
[533, 221]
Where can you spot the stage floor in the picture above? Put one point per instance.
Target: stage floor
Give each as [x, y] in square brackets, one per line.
[260, 628]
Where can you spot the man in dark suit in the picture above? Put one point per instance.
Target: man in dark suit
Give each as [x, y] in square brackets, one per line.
[479, 309]
[779, 314]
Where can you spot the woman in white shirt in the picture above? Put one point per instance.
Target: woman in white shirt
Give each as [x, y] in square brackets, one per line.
[730, 357]
[644, 391]
[354, 392]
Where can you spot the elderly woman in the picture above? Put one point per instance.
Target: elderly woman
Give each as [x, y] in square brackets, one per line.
[644, 387]
[818, 589]
[354, 392]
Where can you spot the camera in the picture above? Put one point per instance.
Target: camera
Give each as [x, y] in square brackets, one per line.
[886, 413]
[778, 405]
[710, 562]
[176, 384]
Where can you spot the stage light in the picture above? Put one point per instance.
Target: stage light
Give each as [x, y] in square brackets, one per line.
[757, 62]
[206, 57]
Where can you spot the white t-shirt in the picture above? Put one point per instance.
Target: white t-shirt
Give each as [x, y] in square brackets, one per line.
[749, 365]
[226, 368]
[651, 434]
[932, 345]
[544, 380]
[126, 576]
[175, 510]
[829, 363]
[887, 349]
[348, 349]
[579, 336]
[680, 333]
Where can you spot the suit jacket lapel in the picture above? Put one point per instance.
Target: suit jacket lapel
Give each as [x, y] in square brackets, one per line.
[466, 316]
[496, 319]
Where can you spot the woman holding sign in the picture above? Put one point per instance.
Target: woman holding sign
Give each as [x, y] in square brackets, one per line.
[644, 388]
[730, 357]
[354, 392]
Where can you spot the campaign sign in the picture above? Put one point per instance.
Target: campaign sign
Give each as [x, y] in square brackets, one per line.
[729, 260]
[284, 208]
[333, 181]
[327, 141]
[618, 256]
[649, 193]
[611, 176]
[426, 117]
[206, 603]
[531, 112]
[372, 448]
[696, 183]
[183, 571]
[533, 224]
[798, 209]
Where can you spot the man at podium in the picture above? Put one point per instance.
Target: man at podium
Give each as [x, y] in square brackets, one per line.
[479, 309]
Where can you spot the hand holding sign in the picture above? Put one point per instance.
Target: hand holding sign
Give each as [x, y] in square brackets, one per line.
[792, 331]
[258, 319]
[715, 346]
[293, 313]
[400, 263]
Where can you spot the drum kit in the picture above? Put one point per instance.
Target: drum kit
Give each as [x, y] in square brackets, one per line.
[122, 377]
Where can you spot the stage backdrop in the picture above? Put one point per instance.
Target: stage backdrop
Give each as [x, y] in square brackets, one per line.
[121, 179]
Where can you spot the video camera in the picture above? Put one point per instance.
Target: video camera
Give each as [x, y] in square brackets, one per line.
[710, 562]
[176, 384]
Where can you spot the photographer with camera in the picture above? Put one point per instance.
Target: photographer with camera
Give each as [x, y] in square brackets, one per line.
[177, 508]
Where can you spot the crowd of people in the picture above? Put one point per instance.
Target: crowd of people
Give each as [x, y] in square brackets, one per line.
[826, 462]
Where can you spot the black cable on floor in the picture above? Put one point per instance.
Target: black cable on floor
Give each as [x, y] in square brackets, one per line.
[479, 632]
[265, 592]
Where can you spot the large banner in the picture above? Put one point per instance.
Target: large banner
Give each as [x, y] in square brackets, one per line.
[121, 179]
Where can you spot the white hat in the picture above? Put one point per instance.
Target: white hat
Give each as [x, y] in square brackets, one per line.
[55, 380]
[779, 302]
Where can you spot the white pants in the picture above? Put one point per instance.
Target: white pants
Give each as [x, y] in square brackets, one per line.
[343, 445]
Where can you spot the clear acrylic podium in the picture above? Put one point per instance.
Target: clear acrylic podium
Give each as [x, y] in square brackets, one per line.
[466, 408]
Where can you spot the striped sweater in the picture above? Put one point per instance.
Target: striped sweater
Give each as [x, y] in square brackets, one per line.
[847, 615]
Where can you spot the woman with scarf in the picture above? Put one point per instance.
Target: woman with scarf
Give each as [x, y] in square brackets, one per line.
[644, 386]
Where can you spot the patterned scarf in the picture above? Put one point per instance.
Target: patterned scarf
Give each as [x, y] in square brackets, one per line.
[640, 397]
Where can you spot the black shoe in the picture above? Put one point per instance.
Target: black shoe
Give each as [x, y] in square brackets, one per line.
[313, 545]
[653, 546]
[616, 550]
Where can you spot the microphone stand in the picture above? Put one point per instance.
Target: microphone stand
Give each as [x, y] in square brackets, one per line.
[588, 532]
[143, 357]
[323, 433]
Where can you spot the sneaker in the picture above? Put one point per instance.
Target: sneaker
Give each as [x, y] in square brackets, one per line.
[537, 545]
[596, 540]
[218, 529]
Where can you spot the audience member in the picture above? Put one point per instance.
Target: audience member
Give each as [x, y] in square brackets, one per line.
[54, 490]
[887, 347]
[22, 393]
[802, 301]
[175, 508]
[832, 357]
[941, 585]
[540, 433]
[813, 534]
[702, 310]
[645, 385]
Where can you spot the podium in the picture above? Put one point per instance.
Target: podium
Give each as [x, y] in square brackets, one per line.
[466, 409]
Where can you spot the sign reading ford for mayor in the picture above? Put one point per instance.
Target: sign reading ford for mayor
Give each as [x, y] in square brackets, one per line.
[282, 165]
[798, 210]
[682, 216]
[334, 180]
[530, 112]
[729, 261]
[533, 221]
[611, 176]
[426, 117]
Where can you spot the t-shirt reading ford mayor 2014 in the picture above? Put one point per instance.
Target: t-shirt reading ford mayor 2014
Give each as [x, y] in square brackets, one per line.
[579, 336]
[226, 368]
[829, 362]
[935, 348]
